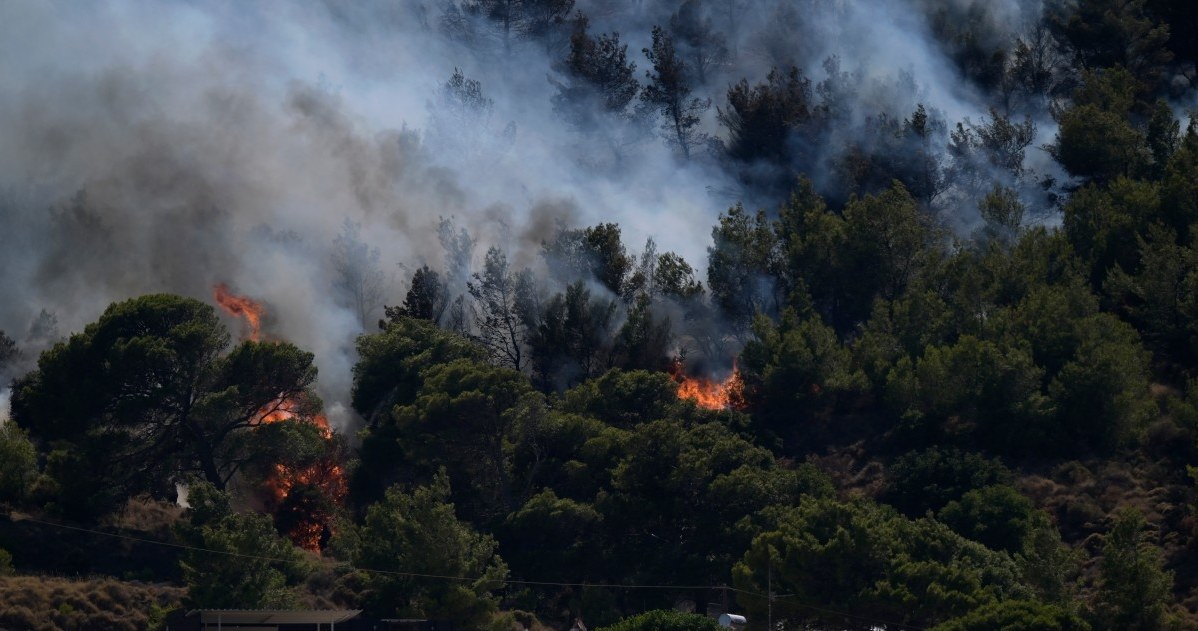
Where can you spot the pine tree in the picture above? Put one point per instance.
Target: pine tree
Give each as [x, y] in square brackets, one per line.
[669, 92]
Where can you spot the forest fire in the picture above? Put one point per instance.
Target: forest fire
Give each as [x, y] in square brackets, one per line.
[240, 307]
[302, 497]
[709, 393]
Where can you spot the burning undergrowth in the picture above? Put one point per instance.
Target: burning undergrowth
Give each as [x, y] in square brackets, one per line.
[303, 485]
[708, 392]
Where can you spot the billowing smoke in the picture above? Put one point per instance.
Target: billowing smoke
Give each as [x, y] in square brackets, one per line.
[160, 145]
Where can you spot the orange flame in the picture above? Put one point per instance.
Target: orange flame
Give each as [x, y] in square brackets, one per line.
[708, 393]
[306, 518]
[309, 524]
[240, 307]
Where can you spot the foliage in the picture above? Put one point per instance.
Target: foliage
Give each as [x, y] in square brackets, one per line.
[427, 298]
[861, 558]
[1049, 566]
[235, 561]
[646, 338]
[974, 393]
[796, 374]
[741, 264]
[1102, 396]
[600, 82]
[892, 150]
[464, 419]
[497, 293]
[417, 532]
[922, 481]
[1016, 615]
[1102, 223]
[573, 338]
[685, 472]
[1133, 587]
[625, 399]
[661, 620]
[810, 242]
[760, 119]
[1110, 33]
[151, 398]
[990, 151]
[1096, 139]
[590, 253]
[669, 92]
[570, 528]
[888, 243]
[390, 364]
[997, 516]
[18, 463]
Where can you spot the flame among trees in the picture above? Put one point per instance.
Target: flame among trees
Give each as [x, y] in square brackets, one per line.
[303, 487]
[710, 393]
[241, 307]
[152, 394]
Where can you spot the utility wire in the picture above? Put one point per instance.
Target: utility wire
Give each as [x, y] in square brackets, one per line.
[466, 579]
[183, 546]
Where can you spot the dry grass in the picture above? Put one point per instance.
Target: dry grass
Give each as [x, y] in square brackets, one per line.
[146, 515]
[57, 604]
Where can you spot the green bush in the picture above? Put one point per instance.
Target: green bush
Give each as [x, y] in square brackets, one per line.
[664, 620]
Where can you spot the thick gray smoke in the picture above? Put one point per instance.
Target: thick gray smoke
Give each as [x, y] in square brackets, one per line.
[162, 145]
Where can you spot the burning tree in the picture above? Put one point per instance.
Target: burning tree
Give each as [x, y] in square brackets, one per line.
[298, 458]
[711, 394]
[147, 395]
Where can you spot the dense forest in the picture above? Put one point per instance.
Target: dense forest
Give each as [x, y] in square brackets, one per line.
[930, 362]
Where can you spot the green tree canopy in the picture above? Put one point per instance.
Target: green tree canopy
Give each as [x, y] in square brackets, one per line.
[663, 620]
[853, 564]
[669, 92]
[1016, 615]
[18, 463]
[391, 363]
[599, 81]
[998, 516]
[144, 395]
[235, 560]
[1133, 587]
[742, 266]
[1096, 138]
[795, 374]
[922, 481]
[973, 392]
[625, 398]
[418, 532]
[466, 419]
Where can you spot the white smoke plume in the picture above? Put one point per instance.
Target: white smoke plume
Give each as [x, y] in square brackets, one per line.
[167, 145]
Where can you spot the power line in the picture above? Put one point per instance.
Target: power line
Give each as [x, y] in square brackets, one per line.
[466, 579]
[257, 557]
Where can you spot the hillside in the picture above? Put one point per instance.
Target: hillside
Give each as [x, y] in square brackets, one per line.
[510, 314]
